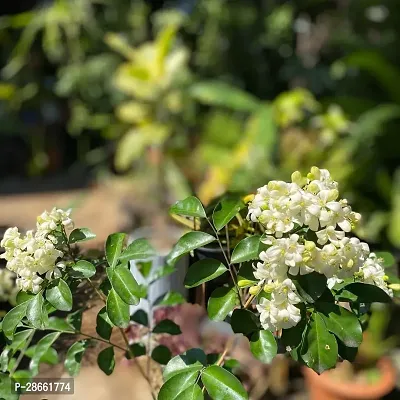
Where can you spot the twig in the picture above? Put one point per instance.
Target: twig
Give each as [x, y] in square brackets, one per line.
[102, 340]
[22, 353]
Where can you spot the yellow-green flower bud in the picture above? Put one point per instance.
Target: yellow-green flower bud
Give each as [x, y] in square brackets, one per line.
[254, 290]
[244, 283]
[385, 278]
[248, 198]
[309, 245]
[394, 286]
[269, 288]
[333, 194]
[296, 177]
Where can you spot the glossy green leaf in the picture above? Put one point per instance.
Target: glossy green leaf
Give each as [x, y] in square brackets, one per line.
[244, 321]
[343, 323]
[59, 324]
[106, 360]
[222, 385]
[114, 245]
[59, 295]
[41, 348]
[161, 354]
[247, 249]
[20, 338]
[75, 319]
[170, 299]
[221, 302]
[366, 293]
[177, 384]
[225, 211]
[103, 324]
[191, 393]
[13, 318]
[192, 360]
[74, 356]
[125, 285]
[140, 249]
[5, 356]
[81, 235]
[190, 207]
[5, 388]
[84, 269]
[263, 346]
[36, 312]
[137, 349]
[188, 242]
[24, 296]
[310, 286]
[203, 271]
[167, 326]
[319, 348]
[117, 310]
[50, 357]
[140, 317]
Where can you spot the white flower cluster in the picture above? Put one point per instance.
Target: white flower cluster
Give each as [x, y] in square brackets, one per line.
[35, 254]
[306, 204]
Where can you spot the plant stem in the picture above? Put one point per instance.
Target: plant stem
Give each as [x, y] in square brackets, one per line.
[22, 353]
[149, 325]
[102, 340]
[228, 246]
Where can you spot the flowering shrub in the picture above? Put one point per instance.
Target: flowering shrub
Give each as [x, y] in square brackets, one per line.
[296, 276]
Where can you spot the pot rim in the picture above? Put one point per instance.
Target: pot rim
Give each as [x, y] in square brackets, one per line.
[356, 390]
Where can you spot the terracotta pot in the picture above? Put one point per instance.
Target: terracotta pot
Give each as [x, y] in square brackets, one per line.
[325, 387]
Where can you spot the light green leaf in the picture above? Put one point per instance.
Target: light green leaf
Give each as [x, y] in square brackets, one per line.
[74, 357]
[103, 324]
[190, 207]
[36, 312]
[22, 297]
[388, 258]
[20, 339]
[222, 385]
[188, 242]
[161, 354]
[191, 393]
[167, 326]
[221, 302]
[263, 346]
[41, 349]
[84, 268]
[163, 272]
[203, 271]
[191, 361]
[114, 245]
[106, 360]
[177, 384]
[226, 210]
[60, 325]
[319, 349]
[244, 321]
[125, 285]
[217, 93]
[81, 235]
[59, 295]
[50, 357]
[343, 323]
[5, 388]
[247, 249]
[117, 310]
[139, 249]
[170, 299]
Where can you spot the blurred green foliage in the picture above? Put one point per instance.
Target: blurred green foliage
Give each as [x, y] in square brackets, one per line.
[215, 95]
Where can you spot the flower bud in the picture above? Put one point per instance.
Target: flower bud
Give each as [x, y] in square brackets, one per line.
[296, 177]
[254, 290]
[248, 198]
[313, 188]
[333, 194]
[269, 288]
[385, 278]
[244, 283]
[395, 286]
[309, 245]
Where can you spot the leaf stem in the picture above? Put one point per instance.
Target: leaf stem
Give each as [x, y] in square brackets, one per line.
[101, 340]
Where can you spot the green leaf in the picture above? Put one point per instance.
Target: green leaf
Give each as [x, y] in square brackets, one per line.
[343, 323]
[191, 361]
[217, 93]
[170, 299]
[5, 388]
[84, 268]
[20, 339]
[50, 357]
[161, 354]
[117, 310]
[106, 360]
[74, 357]
[190, 207]
[388, 258]
[167, 326]
[36, 312]
[42, 347]
[263, 346]
[247, 249]
[163, 272]
[319, 348]
[75, 319]
[144, 267]
[59, 295]
[104, 326]
[188, 242]
[292, 337]
[222, 385]
[191, 393]
[125, 285]
[60, 325]
[140, 317]
[177, 384]
[246, 272]
[21, 374]
[366, 293]
[5, 356]
[347, 353]
[81, 235]
[244, 321]
[13, 318]
[24, 296]
[114, 245]
[140, 249]
[225, 211]
[221, 302]
[138, 349]
[203, 271]
[310, 286]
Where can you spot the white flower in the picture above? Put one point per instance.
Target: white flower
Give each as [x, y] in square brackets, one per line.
[372, 272]
[329, 234]
[56, 272]
[331, 282]
[30, 283]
